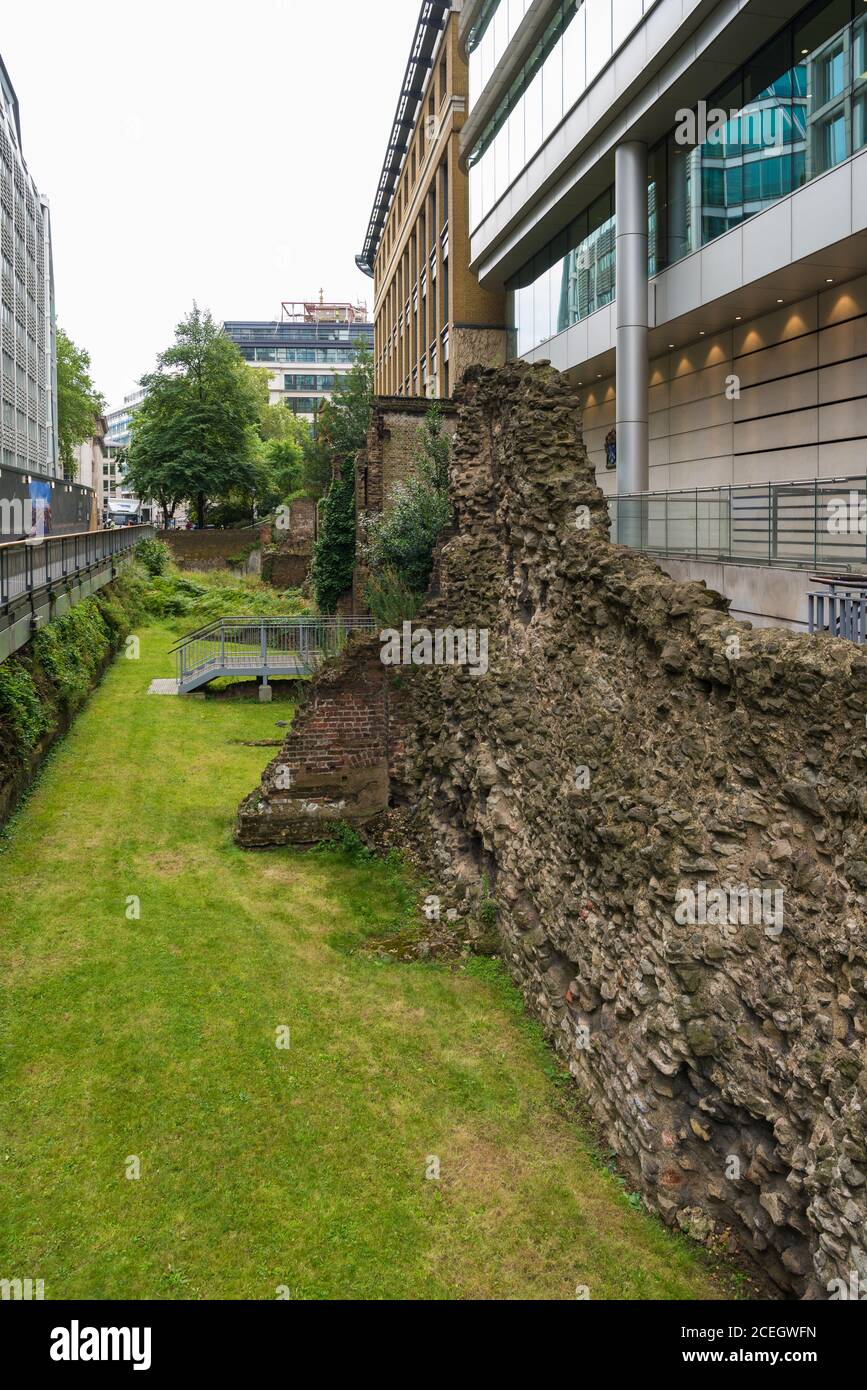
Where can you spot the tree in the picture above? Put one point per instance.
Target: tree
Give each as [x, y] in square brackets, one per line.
[316, 467]
[342, 428]
[194, 437]
[78, 401]
[344, 420]
[278, 422]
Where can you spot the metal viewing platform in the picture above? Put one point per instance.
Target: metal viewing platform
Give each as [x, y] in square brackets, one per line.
[261, 647]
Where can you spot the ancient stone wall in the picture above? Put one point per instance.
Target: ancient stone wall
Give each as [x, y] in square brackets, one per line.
[632, 758]
[209, 549]
[473, 345]
[289, 544]
[389, 458]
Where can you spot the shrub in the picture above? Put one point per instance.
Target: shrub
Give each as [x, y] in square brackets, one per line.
[401, 540]
[200, 598]
[71, 650]
[154, 555]
[390, 600]
[343, 838]
[57, 669]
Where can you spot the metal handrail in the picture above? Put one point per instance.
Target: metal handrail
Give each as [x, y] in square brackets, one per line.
[838, 614]
[249, 646]
[815, 522]
[274, 621]
[30, 565]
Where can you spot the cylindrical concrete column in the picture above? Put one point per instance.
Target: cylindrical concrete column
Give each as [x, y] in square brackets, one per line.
[633, 368]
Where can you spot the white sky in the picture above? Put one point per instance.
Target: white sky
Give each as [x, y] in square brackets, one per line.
[202, 149]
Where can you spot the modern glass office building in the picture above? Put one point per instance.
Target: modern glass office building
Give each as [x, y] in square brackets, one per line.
[35, 497]
[306, 351]
[27, 362]
[673, 194]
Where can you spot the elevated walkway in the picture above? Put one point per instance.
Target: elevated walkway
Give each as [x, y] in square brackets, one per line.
[40, 580]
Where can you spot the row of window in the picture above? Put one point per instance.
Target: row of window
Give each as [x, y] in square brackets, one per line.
[11, 459]
[17, 373]
[413, 162]
[575, 46]
[304, 355]
[298, 332]
[304, 405]
[490, 36]
[796, 109]
[408, 313]
[309, 381]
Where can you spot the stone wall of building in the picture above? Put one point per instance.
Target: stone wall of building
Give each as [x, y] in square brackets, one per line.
[630, 745]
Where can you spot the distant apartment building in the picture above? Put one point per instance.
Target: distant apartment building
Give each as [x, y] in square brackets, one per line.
[119, 506]
[673, 196]
[28, 360]
[432, 317]
[306, 351]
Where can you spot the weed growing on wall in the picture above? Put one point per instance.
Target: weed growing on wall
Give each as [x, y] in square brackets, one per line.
[23, 717]
[56, 671]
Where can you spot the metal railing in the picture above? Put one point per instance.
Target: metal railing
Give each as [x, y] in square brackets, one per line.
[817, 524]
[262, 647]
[838, 614]
[27, 566]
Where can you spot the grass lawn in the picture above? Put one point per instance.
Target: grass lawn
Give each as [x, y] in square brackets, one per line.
[263, 1167]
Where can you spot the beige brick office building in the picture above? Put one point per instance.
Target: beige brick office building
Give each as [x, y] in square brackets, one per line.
[432, 317]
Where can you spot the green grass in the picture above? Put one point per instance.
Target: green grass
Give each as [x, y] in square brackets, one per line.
[263, 1167]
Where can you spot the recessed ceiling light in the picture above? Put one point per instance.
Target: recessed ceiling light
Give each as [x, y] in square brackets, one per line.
[702, 333]
[779, 301]
[738, 318]
[598, 376]
[671, 345]
[830, 280]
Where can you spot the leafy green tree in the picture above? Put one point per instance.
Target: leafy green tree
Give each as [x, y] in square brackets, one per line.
[278, 422]
[342, 429]
[195, 435]
[343, 421]
[316, 467]
[78, 401]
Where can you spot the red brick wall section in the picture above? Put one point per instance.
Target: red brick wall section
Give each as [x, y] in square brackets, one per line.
[334, 763]
[344, 725]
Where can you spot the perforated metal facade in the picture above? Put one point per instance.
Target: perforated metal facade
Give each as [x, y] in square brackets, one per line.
[28, 428]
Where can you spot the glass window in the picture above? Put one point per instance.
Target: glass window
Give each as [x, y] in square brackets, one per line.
[822, 39]
[533, 116]
[515, 127]
[552, 77]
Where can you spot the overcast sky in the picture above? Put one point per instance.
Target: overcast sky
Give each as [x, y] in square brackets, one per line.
[200, 149]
